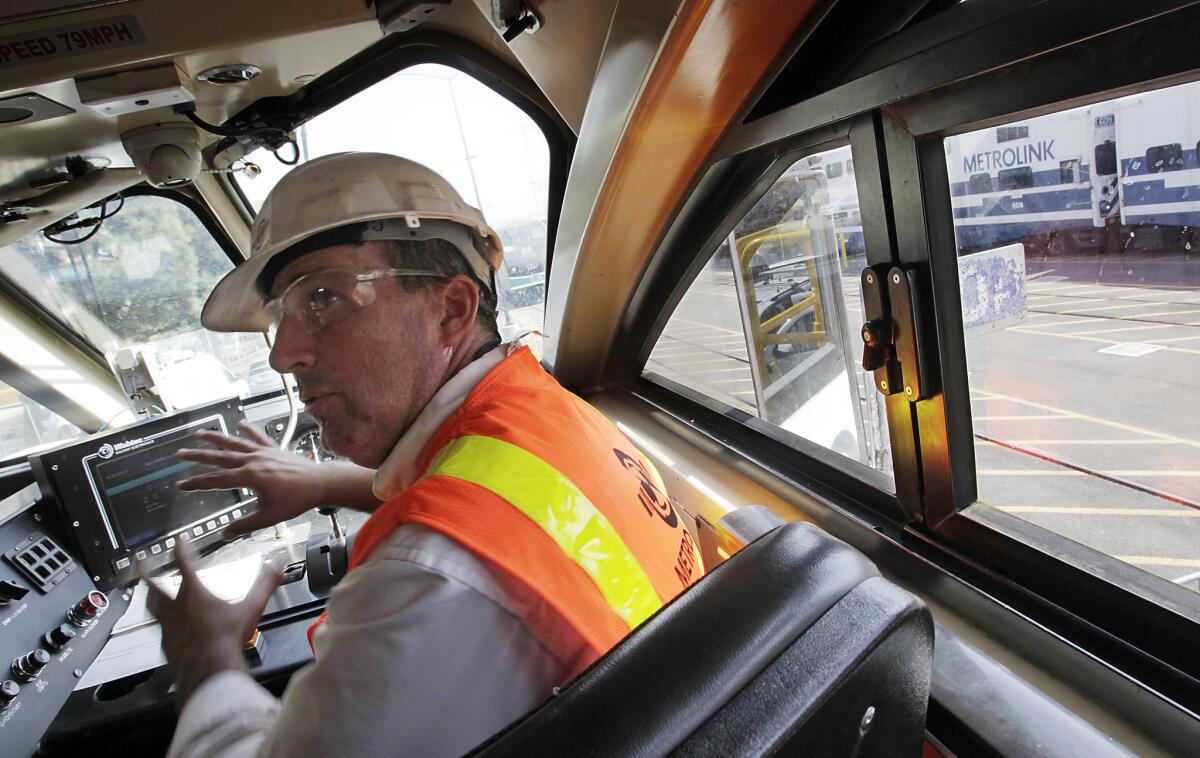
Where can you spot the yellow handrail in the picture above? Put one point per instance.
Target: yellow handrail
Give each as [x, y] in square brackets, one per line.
[747, 247]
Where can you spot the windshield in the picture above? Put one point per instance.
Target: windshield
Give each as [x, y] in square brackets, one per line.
[492, 152]
[141, 281]
[26, 425]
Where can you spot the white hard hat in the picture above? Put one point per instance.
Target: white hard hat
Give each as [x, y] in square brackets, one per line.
[342, 190]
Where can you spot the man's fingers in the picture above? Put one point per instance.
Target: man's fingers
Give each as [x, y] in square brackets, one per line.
[185, 557]
[259, 595]
[226, 441]
[218, 458]
[216, 480]
[248, 523]
[253, 433]
[156, 599]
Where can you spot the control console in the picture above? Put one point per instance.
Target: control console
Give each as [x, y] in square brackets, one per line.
[53, 623]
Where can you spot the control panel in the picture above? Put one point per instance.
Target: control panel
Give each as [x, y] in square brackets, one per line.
[53, 623]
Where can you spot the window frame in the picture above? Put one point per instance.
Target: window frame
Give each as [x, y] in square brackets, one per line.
[978, 65]
[1128, 619]
[396, 53]
[729, 189]
[35, 310]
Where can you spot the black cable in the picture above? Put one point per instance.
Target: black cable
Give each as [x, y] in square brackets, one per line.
[95, 223]
[104, 209]
[222, 131]
[80, 240]
[295, 155]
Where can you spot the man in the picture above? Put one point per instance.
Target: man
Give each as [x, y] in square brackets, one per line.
[515, 534]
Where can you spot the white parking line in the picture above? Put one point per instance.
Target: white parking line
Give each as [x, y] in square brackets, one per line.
[1081, 321]
[1021, 418]
[1085, 511]
[1126, 306]
[705, 326]
[1072, 472]
[1104, 422]
[1065, 336]
[739, 369]
[1072, 302]
[1081, 442]
[1127, 329]
[1027, 472]
[1163, 313]
[1150, 560]
[1177, 339]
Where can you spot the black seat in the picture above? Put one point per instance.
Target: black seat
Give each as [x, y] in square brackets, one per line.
[794, 645]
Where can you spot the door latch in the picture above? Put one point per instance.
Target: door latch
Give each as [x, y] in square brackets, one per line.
[897, 346]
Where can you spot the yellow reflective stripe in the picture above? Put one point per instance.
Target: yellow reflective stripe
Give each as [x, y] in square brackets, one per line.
[562, 511]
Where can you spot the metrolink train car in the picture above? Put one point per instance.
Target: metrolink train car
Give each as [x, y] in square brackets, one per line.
[900, 299]
[1041, 181]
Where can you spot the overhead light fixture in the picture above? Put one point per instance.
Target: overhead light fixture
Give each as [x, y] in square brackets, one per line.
[13, 115]
[231, 73]
[29, 107]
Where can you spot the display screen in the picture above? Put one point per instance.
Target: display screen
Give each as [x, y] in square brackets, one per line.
[137, 484]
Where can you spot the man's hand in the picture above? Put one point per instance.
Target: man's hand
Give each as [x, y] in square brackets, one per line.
[287, 484]
[202, 634]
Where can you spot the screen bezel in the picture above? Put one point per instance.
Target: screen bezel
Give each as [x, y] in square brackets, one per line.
[107, 513]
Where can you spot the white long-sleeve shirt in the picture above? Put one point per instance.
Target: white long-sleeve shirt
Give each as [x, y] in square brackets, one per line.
[425, 651]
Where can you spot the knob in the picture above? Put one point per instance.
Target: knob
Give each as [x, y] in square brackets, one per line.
[84, 612]
[8, 692]
[876, 339]
[56, 639]
[28, 666]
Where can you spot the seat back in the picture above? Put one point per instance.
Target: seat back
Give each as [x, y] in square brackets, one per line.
[793, 644]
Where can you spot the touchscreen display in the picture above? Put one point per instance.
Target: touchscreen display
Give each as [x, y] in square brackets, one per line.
[137, 484]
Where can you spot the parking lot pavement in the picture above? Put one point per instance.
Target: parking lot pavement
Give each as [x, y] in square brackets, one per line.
[703, 346]
[1084, 411]
[1104, 485]
[1085, 419]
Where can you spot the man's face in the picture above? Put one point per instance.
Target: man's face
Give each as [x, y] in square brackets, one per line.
[366, 375]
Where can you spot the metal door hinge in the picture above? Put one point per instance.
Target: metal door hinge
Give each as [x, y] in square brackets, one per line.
[897, 343]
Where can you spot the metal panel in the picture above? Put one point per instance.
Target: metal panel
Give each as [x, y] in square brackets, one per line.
[1044, 27]
[1135, 58]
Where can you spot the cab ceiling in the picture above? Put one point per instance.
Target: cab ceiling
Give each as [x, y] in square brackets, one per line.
[291, 43]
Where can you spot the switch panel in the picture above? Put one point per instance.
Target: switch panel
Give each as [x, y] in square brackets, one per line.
[41, 561]
[48, 637]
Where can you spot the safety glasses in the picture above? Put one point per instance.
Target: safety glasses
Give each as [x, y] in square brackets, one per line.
[320, 298]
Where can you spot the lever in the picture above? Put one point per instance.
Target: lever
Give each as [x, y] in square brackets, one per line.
[10, 591]
[878, 333]
[877, 338]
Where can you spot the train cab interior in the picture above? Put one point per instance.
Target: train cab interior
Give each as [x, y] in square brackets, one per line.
[893, 295]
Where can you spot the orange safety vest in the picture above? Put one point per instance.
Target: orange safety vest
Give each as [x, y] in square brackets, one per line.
[536, 482]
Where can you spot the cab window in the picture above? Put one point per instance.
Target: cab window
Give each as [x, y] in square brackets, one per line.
[492, 152]
[770, 326]
[26, 425]
[138, 279]
[1082, 333]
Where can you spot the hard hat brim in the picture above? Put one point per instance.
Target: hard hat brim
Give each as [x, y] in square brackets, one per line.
[237, 305]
